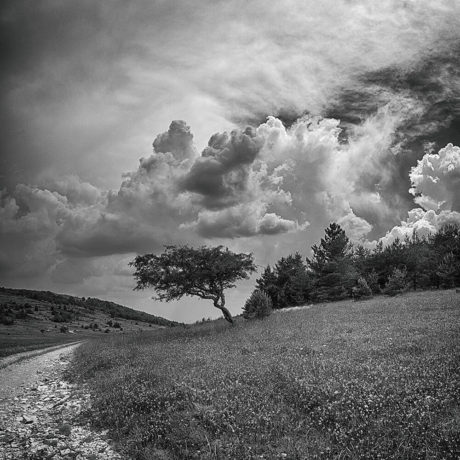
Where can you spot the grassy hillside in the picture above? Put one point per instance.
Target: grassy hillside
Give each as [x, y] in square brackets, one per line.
[372, 379]
[35, 319]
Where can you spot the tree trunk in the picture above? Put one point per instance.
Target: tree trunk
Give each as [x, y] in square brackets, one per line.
[221, 306]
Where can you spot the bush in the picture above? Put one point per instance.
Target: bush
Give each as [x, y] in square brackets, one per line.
[397, 282]
[61, 317]
[7, 320]
[361, 290]
[258, 305]
[372, 280]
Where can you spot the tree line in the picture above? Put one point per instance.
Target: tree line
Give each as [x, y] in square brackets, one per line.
[338, 270]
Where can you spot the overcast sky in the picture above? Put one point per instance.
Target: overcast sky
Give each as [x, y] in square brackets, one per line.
[130, 125]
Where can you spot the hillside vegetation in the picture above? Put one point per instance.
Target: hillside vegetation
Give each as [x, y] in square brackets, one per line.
[379, 378]
[36, 319]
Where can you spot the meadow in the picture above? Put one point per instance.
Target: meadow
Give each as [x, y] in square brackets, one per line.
[378, 378]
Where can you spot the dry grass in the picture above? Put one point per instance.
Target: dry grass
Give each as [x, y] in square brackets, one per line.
[372, 379]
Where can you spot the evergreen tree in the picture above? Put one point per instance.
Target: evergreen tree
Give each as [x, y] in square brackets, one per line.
[259, 305]
[288, 284]
[292, 281]
[331, 266]
[268, 284]
[445, 245]
[448, 270]
[418, 255]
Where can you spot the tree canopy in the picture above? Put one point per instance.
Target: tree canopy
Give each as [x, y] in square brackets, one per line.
[204, 272]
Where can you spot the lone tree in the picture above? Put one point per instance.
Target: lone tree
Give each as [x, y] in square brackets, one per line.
[184, 271]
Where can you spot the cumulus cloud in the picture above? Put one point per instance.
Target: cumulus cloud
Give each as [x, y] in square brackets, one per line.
[268, 180]
[220, 177]
[422, 223]
[436, 186]
[436, 180]
[271, 181]
[178, 141]
[244, 220]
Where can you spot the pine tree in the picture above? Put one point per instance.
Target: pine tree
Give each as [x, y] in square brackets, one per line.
[292, 281]
[259, 305]
[331, 266]
[268, 284]
[288, 284]
[448, 270]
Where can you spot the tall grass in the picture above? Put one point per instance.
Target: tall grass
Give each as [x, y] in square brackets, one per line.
[372, 379]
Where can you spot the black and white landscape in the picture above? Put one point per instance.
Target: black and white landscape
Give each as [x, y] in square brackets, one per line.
[294, 164]
[268, 121]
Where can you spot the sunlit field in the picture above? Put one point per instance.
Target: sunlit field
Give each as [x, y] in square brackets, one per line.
[372, 379]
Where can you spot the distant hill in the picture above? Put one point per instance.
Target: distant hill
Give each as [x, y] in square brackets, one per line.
[22, 305]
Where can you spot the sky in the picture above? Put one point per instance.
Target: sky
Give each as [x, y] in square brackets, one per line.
[127, 126]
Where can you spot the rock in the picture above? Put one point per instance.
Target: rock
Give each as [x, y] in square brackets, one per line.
[28, 419]
[42, 422]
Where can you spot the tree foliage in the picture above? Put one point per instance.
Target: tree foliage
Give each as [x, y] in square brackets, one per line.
[259, 305]
[338, 270]
[331, 266]
[361, 290]
[397, 282]
[205, 272]
[288, 284]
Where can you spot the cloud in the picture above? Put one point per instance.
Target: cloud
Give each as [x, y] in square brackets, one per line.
[436, 187]
[220, 177]
[243, 220]
[178, 141]
[436, 180]
[422, 223]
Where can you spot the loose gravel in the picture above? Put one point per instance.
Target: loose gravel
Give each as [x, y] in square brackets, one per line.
[41, 414]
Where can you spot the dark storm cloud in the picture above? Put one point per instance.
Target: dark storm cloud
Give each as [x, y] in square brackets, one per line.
[220, 176]
[431, 85]
[109, 234]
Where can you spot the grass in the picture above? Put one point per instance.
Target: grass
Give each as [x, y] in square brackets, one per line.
[373, 379]
[38, 328]
[13, 341]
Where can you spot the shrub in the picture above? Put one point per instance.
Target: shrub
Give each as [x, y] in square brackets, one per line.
[361, 290]
[61, 317]
[7, 320]
[258, 305]
[64, 329]
[372, 280]
[397, 282]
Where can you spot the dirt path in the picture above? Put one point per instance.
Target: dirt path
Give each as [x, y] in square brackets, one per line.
[40, 412]
[6, 361]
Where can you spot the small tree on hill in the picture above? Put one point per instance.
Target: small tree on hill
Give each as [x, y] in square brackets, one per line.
[259, 305]
[184, 271]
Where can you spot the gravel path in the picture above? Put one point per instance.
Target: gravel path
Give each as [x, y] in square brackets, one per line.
[40, 412]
